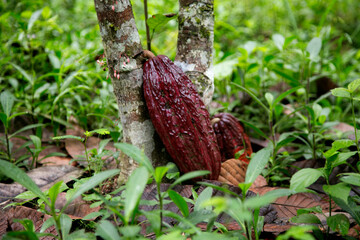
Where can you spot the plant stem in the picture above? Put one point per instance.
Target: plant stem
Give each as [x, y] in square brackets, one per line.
[8, 145]
[354, 122]
[148, 39]
[160, 205]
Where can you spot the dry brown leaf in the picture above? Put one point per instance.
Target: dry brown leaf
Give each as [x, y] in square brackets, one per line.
[55, 160]
[44, 177]
[19, 212]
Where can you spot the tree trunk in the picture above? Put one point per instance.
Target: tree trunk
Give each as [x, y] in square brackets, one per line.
[195, 44]
[122, 47]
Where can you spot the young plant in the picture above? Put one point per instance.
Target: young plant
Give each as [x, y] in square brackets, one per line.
[307, 176]
[350, 93]
[61, 221]
[7, 103]
[93, 160]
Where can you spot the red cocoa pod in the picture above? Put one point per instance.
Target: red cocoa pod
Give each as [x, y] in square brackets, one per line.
[231, 137]
[180, 117]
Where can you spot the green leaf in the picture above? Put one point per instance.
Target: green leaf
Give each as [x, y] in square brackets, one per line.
[339, 223]
[160, 173]
[342, 158]
[90, 184]
[179, 202]
[101, 131]
[283, 143]
[24, 73]
[354, 85]
[278, 40]
[337, 145]
[340, 191]
[316, 209]
[285, 94]
[134, 189]
[26, 128]
[298, 232]
[130, 231]
[351, 178]
[33, 18]
[48, 223]
[15, 173]
[205, 195]
[314, 47]
[136, 154]
[174, 234]
[188, 176]
[264, 200]
[306, 218]
[256, 129]
[159, 20]
[257, 164]
[4, 119]
[304, 178]
[36, 141]
[65, 223]
[107, 231]
[68, 136]
[7, 102]
[341, 92]
[55, 190]
[270, 99]
[252, 95]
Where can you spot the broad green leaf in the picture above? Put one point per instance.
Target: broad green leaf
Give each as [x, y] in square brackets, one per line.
[174, 234]
[7, 102]
[354, 85]
[92, 215]
[65, 223]
[306, 218]
[90, 184]
[107, 231]
[159, 20]
[337, 145]
[283, 143]
[136, 154]
[314, 47]
[350, 206]
[188, 176]
[278, 40]
[205, 195]
[33, 18]
[340, 191]
[15, 173]
[68, 136]
[342, 158]
[160, 173]
[134, 189]
[179, 202]
[26, 128]
[298, 232]
[213, 236]
[48, 223]
[317, 110]
[341, 92]
[351, 178]
[55, 190]
[270, 99]
[304, 178]
[131, 231]
[36, 141]
[68, 80]
[257, 164]
[339, 223]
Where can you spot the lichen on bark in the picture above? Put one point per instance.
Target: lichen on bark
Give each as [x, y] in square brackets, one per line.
[195, 44]
[122, 45]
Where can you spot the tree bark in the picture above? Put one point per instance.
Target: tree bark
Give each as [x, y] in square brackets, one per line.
[195, 44]
[122, 47]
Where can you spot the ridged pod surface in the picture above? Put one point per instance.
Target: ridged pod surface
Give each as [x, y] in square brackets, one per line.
[231, 137]
[180, 117]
